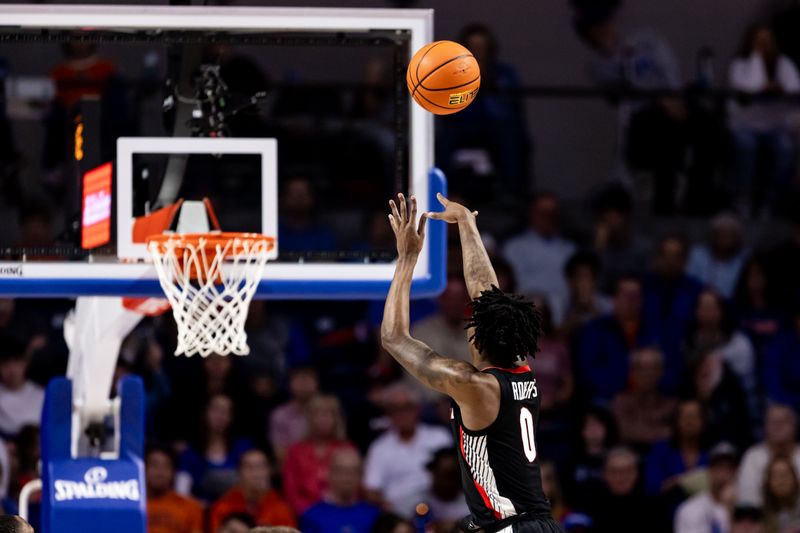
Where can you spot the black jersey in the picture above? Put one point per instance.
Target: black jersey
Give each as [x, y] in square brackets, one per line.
[499, 465]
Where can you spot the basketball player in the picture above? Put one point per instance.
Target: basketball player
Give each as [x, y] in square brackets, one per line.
[495, 399]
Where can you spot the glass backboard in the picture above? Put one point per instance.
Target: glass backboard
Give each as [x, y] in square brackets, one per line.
[294, 122]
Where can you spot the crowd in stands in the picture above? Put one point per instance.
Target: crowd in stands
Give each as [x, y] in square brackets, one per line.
[669, 368]
[669, 393]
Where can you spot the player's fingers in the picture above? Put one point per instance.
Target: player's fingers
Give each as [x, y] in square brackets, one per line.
[434, 215]
[393, 223]
[403, 207]
[393, 206]
[475, 213]
[421, 229]
[413, 217]
[442, 200]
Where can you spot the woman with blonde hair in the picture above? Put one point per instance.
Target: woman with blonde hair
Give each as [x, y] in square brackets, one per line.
[305, 470]
[781, 497]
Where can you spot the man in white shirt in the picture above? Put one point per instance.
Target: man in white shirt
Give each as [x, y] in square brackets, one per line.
[780, 428]
[395, 468]
[20, 400]
[538, 255]
[708, 511]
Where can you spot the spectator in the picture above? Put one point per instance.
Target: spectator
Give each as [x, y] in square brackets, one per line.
[236, 523]
[719, 263]
[670, 299]
[761, 69]
[724, 400]
[618, 504]
[780, 430]
[781, 497]
[14, 524]
[782, 366]
[584, 302]
[552, 490]
[672, 464]
[395, 464]
[287, 424]
[757, 304]
[81, 74]
[643, 414]
[216, 374]
[21, 400]
[714, 327]
[141, 354]
[35, 226]
[28, 456]
[656, 140]
[253, 495]
[538, 255]
[747, 519]
[708, 511]
[598, 434]
[208, 468]
[276, 342]
[444, 500]
[168, 511]
[305, 470]
[342, 508]
[490, 138]
[553, 364]
[7, 504]
[299, 231]
[444, 331]
[621, 249]
[604, 344]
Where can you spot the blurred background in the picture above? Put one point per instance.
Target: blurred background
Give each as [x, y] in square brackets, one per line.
[635, 166]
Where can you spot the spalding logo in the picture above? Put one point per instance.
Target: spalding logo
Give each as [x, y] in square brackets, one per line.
[94, 487]
[98, 474]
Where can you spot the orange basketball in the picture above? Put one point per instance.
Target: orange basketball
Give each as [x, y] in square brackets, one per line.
[443, 77]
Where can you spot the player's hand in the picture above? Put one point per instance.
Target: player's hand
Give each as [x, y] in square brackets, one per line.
[453, 211]
[408, 233]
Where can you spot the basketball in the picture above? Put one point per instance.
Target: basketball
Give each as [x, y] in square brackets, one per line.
[443, 77]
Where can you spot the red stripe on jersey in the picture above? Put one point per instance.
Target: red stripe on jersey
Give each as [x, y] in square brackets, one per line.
[515, 370]
[480, 489]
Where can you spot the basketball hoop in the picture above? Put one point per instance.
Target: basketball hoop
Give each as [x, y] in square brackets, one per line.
[209, 280]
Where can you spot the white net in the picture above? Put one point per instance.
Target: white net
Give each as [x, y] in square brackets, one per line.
[209, 282]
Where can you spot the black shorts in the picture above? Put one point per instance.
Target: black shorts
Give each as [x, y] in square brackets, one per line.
[537, 525]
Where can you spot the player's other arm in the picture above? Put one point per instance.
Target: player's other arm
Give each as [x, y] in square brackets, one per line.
[457, 379]
[478, 271]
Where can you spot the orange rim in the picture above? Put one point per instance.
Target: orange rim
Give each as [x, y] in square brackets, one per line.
[182, 241]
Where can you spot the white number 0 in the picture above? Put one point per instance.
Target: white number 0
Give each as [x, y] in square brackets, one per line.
[526, 428]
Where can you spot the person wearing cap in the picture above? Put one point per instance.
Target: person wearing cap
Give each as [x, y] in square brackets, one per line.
[708, 511]
[719, 262]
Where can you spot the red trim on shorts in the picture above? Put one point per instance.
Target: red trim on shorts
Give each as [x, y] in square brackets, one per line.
[515, 370]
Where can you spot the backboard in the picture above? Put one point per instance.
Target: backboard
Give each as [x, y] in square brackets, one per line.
[263, 110]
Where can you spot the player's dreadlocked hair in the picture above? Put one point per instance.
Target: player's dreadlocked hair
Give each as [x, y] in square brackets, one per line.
[506, 327]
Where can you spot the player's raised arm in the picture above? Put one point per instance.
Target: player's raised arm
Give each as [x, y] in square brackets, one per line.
[478, 271]
[458, 379]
